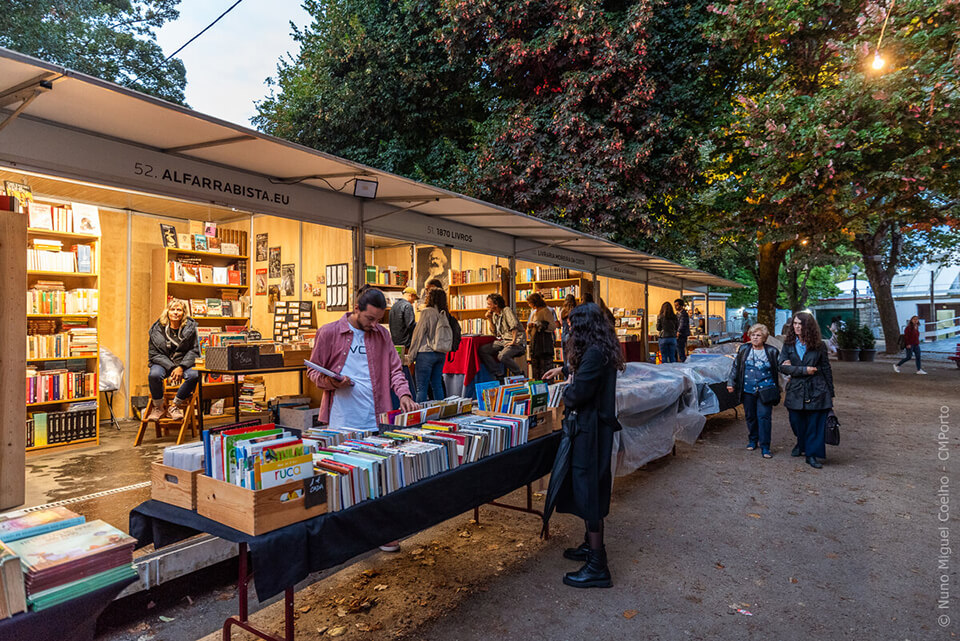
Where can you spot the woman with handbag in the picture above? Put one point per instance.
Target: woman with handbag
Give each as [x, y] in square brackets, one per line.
[432, 339]
[540, 328]
[582, 477]
[809, 394]
[754, 378]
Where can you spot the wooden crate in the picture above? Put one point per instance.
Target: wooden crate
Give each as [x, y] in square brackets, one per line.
[253, 512]
[174, 486]
[295, 357]
[541, 423]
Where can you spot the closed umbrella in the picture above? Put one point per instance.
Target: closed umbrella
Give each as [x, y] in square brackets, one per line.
[561, 467]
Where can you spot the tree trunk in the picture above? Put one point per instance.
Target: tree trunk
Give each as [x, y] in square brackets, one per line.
[769, 258]
[881, 276]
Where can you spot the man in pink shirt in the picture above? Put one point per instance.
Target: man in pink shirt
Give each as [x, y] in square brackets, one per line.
[360, 349]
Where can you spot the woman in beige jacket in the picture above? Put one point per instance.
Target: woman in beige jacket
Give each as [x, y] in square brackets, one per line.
[432, 339]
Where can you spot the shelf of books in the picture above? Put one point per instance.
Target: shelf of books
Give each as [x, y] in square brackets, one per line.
[210, 273]
[553, 283]
[468, 295]
[63, 297]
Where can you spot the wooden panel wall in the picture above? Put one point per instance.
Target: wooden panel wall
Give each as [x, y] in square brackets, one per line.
[115, 296]
[659, 296]
[13, 358]
[621, 293]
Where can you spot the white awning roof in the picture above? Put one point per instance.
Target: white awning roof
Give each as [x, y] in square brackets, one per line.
[85, 105]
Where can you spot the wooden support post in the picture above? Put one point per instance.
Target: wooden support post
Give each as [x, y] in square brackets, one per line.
[13, 358]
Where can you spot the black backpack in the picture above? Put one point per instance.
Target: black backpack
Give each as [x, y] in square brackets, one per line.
[455, 328]
[902, 342]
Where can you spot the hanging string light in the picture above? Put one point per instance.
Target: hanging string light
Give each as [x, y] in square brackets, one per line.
[878, 60]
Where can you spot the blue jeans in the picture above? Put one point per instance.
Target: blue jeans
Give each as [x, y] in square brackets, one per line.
[811, 430]
[668, 350]
[158, 379]
[758, 419]
[682, 349]
[916, 353]
[430, 374]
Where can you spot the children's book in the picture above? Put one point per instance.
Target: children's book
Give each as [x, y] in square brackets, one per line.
[39, 522]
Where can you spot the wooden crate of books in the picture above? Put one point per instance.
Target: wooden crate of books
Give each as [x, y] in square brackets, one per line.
[254, 512]
[174, 486]
[541, 423]
[295, 357]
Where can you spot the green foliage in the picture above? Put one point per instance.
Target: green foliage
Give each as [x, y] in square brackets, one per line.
[848, 336]
[373, 84]
[865, 338]
[113, 40]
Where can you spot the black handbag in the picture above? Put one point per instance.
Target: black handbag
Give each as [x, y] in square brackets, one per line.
[832, 435]
[769, 395]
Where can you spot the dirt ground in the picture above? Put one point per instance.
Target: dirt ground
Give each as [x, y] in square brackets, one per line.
[714, 543]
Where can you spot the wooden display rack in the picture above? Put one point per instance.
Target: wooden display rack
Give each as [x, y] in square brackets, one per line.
[72, 279]
[500, 285]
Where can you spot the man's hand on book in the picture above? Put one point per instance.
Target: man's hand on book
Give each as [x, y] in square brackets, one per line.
[407, 404]
[338, 384]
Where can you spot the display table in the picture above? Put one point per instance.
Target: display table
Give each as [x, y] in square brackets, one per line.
[286, 556]
[75, 620]
[463, 367]
[236, 373]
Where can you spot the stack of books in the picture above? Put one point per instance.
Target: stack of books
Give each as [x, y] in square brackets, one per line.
[59, 384]
[14, 528]
[476, 301]
[430, 410]
[49, 428]
[253, 394]
[523, 398]
[482, 275]
[257, 456]
[83, 341]
[49, 297]
[64, 564]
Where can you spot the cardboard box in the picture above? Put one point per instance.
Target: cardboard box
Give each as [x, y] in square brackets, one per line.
[300, 419]
[254, 512]
[174, 486]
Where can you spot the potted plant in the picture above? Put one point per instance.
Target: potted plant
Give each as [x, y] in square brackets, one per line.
[866, 342]
[848, 343]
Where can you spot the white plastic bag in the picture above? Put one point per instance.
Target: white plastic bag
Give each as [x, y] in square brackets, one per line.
[111, 371]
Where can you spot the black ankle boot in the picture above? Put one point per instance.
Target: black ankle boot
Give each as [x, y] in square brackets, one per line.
[594, 573]
[580, 553]
[814, 463]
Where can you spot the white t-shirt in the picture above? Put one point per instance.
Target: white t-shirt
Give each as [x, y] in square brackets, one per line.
[353, 405]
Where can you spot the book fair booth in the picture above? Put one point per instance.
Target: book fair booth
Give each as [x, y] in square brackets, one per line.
[114, 203]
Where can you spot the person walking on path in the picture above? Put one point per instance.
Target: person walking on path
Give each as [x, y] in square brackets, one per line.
[754, 379]
[683, 328]
[911, 342]
[498, 356]
[667, 326]
[582, 475]
[809, 394]
[431, 341]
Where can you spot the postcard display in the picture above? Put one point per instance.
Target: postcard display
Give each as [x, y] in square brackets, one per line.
[338, 281]
[289, 318]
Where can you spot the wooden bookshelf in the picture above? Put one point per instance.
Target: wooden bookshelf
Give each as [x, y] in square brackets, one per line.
[583, 283]
[480, 289]
[91, 364]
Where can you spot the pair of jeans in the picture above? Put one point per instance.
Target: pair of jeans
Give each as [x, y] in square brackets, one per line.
[682, 349]
[157, 379]
[499, 357]
[430, 375]
[916, 353]
[758, 419]
[668, 350]
[811, 426]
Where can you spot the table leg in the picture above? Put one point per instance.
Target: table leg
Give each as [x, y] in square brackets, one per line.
[200, 402]
[236, 397]
[243, 581]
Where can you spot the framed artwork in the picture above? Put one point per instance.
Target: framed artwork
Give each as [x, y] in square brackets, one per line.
[261, 283]
[261, 247]
[288, 276]
[169, 235]
[274, 264]
[432, 262]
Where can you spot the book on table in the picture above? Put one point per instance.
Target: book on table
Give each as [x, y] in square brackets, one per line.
[38, 522]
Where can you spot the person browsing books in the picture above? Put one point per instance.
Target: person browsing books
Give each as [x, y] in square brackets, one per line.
[360, 350]
[432, 339]
[172, 352]
[498, 356]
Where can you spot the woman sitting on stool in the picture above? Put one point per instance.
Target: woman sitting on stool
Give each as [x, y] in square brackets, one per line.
[173, 351]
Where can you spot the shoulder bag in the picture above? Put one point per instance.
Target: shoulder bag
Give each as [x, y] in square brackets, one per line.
[770, 395]
[832, 436]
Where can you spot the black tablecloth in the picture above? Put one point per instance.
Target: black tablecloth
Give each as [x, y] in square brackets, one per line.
[75, 620]
[286, 556]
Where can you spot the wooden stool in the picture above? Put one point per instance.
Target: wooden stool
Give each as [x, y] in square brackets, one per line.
[164, 425]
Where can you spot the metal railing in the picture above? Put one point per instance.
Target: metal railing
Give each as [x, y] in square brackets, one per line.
[944, 328]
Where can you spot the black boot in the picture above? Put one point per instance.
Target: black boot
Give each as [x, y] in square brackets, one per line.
[814, 463]
[580, 553]
[594, 574]
[796, 451]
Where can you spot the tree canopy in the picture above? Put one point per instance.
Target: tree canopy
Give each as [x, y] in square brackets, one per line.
[113, 40]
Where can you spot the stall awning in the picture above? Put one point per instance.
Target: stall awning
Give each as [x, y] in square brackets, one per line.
[132, 140]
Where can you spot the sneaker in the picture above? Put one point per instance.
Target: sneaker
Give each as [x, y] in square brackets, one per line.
[393, 546]
[921, 372]
[896, 368]
[157, 410]
[175, 411]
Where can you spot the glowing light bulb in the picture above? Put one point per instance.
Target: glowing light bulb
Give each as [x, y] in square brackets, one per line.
[877, 61]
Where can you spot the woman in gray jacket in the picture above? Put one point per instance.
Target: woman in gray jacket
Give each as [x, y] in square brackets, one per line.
[432, 339]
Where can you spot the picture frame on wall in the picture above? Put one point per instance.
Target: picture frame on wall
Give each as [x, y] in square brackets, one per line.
[432, 262]
[288, 277]
[261, 247]
[261, 282]
[168, 234]
[274, 264]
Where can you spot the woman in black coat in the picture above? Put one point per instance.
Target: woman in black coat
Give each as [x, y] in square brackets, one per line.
[594, 359]
[809, 394]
